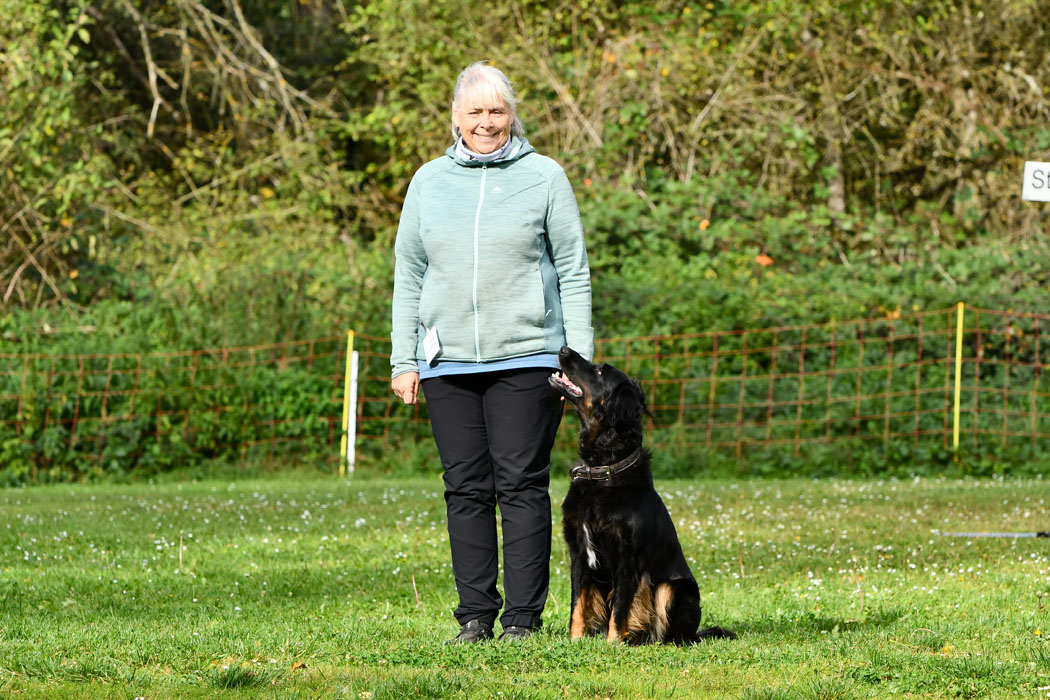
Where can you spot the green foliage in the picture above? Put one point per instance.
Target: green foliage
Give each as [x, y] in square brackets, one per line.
[183, 175]
[50, 165]
[152, 415]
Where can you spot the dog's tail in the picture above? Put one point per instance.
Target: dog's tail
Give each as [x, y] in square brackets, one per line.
[711, 633]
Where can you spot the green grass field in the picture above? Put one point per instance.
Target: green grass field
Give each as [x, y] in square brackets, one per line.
[309, 587]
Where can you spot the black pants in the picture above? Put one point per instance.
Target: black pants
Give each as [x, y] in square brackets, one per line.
[494, 432]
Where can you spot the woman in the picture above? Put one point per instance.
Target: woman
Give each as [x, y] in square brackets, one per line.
[490, 281]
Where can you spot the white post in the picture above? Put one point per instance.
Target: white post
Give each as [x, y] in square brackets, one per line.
[349, 424]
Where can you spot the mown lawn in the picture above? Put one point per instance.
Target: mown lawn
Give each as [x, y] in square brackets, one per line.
[307, 587]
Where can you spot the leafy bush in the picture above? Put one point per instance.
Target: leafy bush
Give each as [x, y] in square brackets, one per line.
[64, 431]
[184, 175]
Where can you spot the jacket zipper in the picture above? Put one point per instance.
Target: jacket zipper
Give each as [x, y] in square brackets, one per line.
[477, 224]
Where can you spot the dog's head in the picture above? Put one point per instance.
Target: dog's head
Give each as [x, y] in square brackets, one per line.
[610, 405]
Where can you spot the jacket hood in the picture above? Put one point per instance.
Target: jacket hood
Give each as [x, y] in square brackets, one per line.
[519, 147]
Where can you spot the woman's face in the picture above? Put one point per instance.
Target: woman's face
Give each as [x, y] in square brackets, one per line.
[485, 126]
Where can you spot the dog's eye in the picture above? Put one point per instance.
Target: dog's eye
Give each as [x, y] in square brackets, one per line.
[598, 369]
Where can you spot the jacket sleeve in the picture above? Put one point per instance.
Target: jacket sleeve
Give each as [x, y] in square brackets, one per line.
[410, 265]
[565, 232]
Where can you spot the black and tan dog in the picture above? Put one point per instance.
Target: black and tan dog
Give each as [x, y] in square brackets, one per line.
[630, 580]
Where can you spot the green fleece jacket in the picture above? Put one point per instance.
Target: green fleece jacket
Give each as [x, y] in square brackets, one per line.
[492, 256]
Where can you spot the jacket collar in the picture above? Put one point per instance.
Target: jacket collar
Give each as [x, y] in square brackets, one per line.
[520, 146]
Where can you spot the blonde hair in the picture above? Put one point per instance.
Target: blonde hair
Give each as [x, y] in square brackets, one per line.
[488, 84]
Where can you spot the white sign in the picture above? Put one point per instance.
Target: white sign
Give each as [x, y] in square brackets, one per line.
[1036, 182]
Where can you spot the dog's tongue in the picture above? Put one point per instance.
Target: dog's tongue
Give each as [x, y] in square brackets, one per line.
[561, 380]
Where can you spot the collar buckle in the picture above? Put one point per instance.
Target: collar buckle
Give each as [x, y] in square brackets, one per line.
[585, 473]
[605, 472]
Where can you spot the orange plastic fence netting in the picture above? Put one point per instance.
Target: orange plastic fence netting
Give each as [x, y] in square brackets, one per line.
[886, 379]
[126, 407]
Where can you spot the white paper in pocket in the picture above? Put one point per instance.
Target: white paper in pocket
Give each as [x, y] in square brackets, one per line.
[431, 345]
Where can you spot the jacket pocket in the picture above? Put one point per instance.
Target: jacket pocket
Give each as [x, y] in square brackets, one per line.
[512, 312]
[446, 304]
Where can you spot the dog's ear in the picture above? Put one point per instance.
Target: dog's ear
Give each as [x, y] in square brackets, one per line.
[627, 404]
[641, 393]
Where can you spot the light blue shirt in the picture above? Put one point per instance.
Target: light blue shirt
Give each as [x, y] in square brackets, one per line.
[442, 369]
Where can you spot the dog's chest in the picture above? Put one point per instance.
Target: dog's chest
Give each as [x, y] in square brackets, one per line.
[595, 539]
[589, 552]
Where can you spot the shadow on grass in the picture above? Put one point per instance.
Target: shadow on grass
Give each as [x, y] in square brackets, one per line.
[810, 624]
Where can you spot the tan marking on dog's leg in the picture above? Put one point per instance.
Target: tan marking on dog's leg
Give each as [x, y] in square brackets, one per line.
[599, 611]
[577, 623]
[614, 634]
[639, 623]
[662, 609]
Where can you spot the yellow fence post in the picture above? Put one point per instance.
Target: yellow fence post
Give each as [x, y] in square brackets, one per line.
[346, 441]
[958, 377]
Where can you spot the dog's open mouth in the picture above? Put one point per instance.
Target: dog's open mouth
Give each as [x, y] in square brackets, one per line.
[559, 381]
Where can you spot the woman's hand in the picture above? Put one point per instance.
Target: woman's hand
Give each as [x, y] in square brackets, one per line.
[406, 387]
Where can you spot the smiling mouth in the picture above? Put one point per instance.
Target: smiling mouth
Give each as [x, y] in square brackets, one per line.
[560, 381]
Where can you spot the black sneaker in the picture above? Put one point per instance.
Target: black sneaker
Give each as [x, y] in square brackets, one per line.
[514, 632]
[473, 631]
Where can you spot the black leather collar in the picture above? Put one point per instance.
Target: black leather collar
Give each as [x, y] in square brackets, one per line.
[584, 472]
